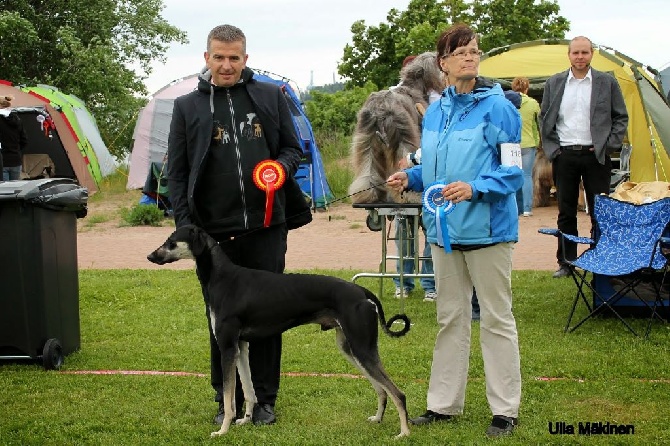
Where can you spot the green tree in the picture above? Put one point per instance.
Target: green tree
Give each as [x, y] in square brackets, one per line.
[533, 20]
[336, 112]
[376, 52]
[98, 50]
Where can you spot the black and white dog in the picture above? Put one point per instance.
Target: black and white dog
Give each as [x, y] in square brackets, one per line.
[247, 303]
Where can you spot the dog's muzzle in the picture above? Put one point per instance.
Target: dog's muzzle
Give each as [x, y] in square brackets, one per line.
[158, 257]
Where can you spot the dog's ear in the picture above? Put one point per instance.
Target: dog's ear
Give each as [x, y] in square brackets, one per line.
[198, 243]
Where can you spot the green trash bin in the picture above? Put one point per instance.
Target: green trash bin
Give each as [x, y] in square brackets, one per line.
[39, 281]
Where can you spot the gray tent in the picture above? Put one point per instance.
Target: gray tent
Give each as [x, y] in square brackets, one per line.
[664, 76]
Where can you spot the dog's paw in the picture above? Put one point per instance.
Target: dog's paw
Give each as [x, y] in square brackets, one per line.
[246, 419]
[402, 435]
[375, 419]
[218, 433]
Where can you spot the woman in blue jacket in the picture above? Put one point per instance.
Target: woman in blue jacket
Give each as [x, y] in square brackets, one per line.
[470, 173]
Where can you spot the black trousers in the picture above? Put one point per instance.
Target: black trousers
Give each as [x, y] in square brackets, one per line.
[264, 249]
[569, 169]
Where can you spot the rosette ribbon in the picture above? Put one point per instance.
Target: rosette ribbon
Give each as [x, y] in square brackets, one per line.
[269, 176]
[435, 204]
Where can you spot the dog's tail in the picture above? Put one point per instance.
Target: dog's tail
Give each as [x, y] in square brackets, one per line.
[386, 326]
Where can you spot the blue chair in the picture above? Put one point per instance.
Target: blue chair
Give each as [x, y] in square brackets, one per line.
[629, 246]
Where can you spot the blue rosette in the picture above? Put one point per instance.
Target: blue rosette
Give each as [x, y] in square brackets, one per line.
[433, 199]
[435, 204]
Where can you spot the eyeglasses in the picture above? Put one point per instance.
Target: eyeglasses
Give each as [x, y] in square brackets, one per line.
[461, 54]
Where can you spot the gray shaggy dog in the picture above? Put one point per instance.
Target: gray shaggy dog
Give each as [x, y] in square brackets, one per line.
[388, 128]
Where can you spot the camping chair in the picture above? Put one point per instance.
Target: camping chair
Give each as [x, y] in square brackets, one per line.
[156, 187]
[37, 165]
[627, 247]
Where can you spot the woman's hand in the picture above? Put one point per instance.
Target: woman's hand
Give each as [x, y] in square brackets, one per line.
[398, 181]
[457, 191]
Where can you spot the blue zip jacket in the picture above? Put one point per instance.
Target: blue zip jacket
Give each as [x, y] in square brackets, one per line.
[460, 141]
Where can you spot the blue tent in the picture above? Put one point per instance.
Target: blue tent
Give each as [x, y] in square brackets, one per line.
[153, 126]
[311, 175]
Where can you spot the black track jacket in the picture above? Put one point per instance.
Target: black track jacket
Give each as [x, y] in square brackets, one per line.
[190, 140]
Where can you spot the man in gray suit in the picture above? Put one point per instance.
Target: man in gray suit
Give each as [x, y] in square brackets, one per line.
[584, 120]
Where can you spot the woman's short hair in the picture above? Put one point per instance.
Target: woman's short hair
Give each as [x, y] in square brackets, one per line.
[521, 84]
[453, 37]
[407, 60]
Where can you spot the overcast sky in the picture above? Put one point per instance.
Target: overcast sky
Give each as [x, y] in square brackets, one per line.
[304, 39]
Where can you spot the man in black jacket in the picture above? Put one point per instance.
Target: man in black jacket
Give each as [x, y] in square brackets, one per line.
[218, 135]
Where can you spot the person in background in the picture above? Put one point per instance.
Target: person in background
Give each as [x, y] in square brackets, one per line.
[530, 141]
[427, 283]
[465, 137]
[13, 140]
[219, 133]
[583, 120]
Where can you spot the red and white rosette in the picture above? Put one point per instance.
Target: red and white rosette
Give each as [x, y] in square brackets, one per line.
[269, 176]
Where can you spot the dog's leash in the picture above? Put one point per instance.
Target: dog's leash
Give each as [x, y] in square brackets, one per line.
[342, 198]
[290, 217]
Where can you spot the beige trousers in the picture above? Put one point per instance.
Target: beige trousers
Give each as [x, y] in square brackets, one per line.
[489, 271]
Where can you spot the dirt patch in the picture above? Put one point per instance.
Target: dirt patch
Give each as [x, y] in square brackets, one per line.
[337, 239]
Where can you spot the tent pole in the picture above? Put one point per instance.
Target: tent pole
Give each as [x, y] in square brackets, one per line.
[655, 151]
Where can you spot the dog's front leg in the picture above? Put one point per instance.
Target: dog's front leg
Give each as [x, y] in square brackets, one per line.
[228, 360]
[247, 385]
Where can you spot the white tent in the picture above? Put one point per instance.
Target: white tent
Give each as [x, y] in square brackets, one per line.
[152, 128]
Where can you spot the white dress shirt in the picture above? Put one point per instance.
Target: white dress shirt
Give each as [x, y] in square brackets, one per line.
[574, 115]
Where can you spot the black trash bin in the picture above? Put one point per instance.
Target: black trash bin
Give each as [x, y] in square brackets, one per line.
[39, 282]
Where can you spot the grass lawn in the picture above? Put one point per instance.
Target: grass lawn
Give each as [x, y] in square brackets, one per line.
[140, 320]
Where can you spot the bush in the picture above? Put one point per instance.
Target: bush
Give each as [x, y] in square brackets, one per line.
[336, 112]
[334, 148]
[144, 215]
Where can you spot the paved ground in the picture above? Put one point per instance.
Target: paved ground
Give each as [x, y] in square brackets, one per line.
[336, 239]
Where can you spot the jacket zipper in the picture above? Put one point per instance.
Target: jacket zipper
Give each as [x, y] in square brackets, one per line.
[240, 175]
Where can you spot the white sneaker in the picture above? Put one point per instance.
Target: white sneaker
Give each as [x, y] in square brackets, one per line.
[399, 291]
[527, 214]
[429, 296]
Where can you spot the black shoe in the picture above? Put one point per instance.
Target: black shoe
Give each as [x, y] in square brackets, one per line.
[263, 414]
[429, 417]
[501, 425]
[562, 271]
[218, 418]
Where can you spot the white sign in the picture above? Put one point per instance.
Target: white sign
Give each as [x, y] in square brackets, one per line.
[510, 154]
